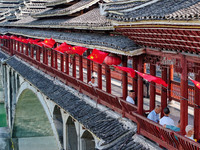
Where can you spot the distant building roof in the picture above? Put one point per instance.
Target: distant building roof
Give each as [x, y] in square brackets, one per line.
[154, 10]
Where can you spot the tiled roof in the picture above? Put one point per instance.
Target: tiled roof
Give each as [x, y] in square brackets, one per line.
[104, 126]
[91, 19]
[156, 10]
[58, 2]
[83, 4]
[114, 44]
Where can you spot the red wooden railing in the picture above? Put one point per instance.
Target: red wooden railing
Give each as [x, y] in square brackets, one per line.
[146, 127]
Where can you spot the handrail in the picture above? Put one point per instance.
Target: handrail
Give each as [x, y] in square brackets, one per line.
[146, 127]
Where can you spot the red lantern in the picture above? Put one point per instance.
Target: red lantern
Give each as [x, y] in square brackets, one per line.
[112, 60]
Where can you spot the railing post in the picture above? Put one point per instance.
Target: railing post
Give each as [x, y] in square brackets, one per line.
[44, 54]
[184, 94]
[163, 90]
[88, 67]
[62, 62]
[196, 109]
[74, 66]
[56, 59]
[11, 47]
[99, 76]
[80, 67]
[152, 87]
[38, 53]
[124, 78]
[135, 80]
[108, 79]
[52, 58]
[140, 86]
[27, 48]
[66, 63]
[32, 51]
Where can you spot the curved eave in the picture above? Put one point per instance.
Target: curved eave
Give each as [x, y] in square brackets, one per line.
[52, 4]
[64, 27]
[154, 23]
[70, 12]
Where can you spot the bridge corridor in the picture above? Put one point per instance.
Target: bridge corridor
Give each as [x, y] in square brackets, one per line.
[44, 113]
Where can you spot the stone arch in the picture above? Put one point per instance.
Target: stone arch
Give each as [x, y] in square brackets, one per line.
[58, 121]
[72, 138]
[87, 141]
[33, 120]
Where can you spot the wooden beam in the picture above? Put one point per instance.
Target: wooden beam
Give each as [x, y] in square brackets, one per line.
[170, 78]
[184, 94]
[124, 78]
[152, 88]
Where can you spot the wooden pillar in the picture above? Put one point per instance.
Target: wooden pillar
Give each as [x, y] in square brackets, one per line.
[163, 90]
[27, 48]
[74, 66]
[44, 55]
[62, 62]
[38, 53]
[140, 86]
[184, 94]
[88, 67]
[52, 58]
[134, 81]
[108, 79]
[99, 76]
[170, 79]
[66, 63]
[22, 47]
[152, 87]
[56, 59]
[32, 51]
[124, 78]
[196, 109]
[81, 67]
[18, 46]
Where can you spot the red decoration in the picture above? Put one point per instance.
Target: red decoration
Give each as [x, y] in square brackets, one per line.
[79, 50]
[48, 42]
[33, 41]
[38, 43]
[97, 56]
[64, 47]
[112, 60]
[195, 82]
[13, 37]
[126, 69]
[1, 37]
[5, 37]
[152, 78]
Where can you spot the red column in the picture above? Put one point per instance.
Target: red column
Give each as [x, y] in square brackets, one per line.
[171, 76]
[124, 78]
[74, 66]
[52, 58]
[152, 87]
[56, 59]
[62, 62]
[66, 63]
[27, 48]
[88, 67]
[44, 55]
[108, 79]
[140, 86]
[196, 109]
[134, 81]
[163, 90]
[80, 67]
[99, 76]
[32, 51]
[38, 53]
[184, 94]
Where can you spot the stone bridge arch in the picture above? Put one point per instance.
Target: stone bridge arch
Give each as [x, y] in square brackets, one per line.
[33, 121]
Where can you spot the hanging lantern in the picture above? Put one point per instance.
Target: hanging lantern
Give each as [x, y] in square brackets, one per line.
[112, 59]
